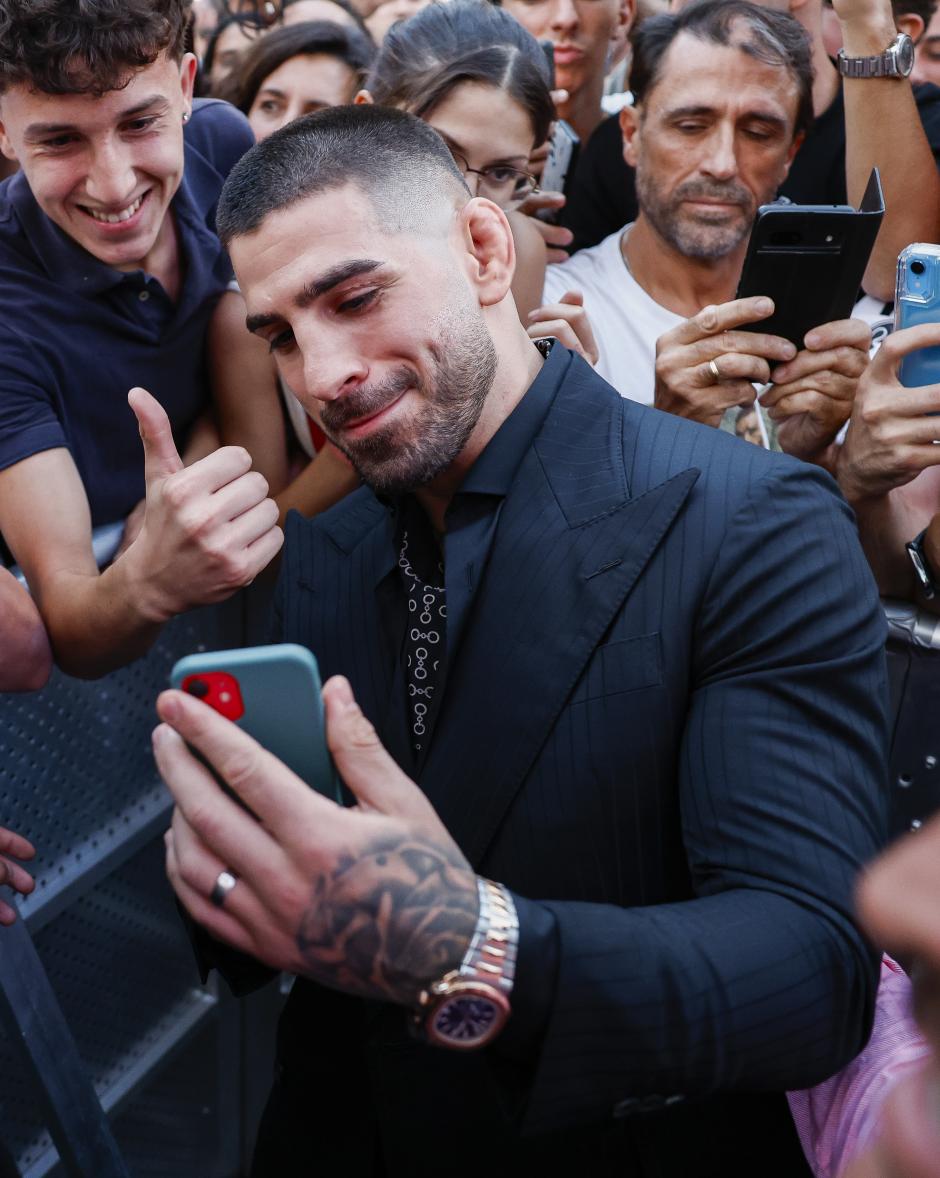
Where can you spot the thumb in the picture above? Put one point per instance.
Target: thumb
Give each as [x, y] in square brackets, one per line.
[573, 298]
[161, 458]
[362, 761]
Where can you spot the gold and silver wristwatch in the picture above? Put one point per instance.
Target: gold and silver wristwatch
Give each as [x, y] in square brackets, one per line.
[468, 1007]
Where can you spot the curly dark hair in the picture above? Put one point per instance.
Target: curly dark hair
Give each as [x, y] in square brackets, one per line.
[86, 46]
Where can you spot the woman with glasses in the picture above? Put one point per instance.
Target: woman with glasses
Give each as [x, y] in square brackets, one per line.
[482, 82]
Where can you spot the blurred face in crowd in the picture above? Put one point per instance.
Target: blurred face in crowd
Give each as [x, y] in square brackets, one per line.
[305, 10]
[583, 32]
[381, 333]
[927, 54]
[490, 132]
[301, 85]
[205, 19]
[714, 139]
[104, 169]
[231, 43]
[383, 16]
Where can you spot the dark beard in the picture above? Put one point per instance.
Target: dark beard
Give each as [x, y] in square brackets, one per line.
[402, 458]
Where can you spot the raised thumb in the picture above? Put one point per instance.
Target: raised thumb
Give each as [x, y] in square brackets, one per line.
[161, 458]
[362, 760]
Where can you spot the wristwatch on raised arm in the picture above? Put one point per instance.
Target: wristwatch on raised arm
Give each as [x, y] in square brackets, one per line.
[925, 574]
[897, 61]
[468, 1007]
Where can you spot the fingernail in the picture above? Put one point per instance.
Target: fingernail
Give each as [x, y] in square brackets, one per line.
[168, 707]
[763, 306]
[158, 737]
[341, 692]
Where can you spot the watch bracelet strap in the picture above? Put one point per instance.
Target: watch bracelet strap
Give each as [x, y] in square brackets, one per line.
[491, 954]
[865, 67]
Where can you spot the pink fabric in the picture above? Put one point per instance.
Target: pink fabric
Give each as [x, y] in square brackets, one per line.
[839, 1119]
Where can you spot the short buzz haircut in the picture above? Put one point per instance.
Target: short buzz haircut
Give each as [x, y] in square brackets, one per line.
[397, 160]
[769, 36]
[86, 46]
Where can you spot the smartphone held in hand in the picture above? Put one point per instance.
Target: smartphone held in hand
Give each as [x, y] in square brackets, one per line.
[918, 301]
[273, 694]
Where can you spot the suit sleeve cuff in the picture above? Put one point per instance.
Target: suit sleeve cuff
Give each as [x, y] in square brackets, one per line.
[533, 991]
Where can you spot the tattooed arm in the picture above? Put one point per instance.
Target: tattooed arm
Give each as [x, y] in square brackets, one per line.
[375, 900]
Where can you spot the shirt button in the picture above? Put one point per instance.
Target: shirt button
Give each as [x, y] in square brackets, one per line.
[144, 296]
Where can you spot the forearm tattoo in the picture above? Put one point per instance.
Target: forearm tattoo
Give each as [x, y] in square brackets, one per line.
[389, 920]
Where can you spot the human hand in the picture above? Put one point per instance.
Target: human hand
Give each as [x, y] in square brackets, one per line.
[861, 17]
[375, 899]
[14, 846]
[568, 322]
[812, 395]
[132, 526]
[556, 237]
[891, 438]
[687, 384]
[208, 529]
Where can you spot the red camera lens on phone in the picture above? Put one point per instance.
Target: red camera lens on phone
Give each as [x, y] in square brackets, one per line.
[219, 690]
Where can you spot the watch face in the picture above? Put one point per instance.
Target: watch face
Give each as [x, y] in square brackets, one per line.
[905, 55]
[466, 1020]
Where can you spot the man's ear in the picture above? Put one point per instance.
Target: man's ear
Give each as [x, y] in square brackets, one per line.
[629, 129]
[188, 67]
[626, 15]
[791, 154]
[912, 24]
[363, 98]
[6, 147]
[490, 250]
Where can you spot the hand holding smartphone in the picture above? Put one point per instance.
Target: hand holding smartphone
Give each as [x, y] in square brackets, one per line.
[273, 693]
[917, 301]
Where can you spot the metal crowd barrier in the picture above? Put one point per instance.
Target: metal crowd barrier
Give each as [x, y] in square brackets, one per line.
[103, 1007]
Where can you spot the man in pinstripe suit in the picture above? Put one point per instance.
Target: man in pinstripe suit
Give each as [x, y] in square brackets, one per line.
[653, 717]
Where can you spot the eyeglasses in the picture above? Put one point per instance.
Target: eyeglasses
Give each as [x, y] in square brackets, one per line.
[499, 182]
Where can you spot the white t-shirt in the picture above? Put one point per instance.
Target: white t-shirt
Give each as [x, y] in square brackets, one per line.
[626, 321]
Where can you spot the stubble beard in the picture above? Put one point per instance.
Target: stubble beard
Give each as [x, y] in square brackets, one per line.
[691, 237]
[400, 458]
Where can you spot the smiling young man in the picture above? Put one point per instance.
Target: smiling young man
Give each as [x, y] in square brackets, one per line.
[602, 693]
[111, 272]
[723, 100]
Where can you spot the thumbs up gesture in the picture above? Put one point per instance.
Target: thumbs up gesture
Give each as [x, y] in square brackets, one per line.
[208, 529]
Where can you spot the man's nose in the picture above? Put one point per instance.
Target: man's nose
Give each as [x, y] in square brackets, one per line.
[564, 15]
[720, 159]
[111, 179]
[331, 369]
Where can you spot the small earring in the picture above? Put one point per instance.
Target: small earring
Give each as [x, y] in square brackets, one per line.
[185, 116]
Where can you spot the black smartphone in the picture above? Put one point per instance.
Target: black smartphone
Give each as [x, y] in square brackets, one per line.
[810, 259]
[562, 156]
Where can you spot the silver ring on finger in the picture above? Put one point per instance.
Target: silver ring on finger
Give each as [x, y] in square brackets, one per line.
[224, 886]
[715, 371]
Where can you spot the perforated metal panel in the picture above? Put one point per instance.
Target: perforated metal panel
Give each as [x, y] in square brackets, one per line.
[76, 771]
[77, 777]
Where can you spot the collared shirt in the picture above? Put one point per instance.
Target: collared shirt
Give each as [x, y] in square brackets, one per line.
[77, 335]
[473, 514]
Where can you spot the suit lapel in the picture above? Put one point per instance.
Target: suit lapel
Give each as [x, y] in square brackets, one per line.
[570, 546]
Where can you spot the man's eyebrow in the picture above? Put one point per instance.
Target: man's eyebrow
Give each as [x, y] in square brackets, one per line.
[317, 288]
[37, 130]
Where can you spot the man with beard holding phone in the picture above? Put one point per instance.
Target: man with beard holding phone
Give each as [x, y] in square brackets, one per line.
[723, 99]
[591, 912]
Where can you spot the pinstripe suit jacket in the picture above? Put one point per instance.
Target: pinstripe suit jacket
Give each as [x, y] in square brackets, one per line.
[665, 732]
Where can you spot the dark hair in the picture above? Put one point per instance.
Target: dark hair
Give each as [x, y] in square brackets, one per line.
[271, 51]
[770, 36]
[397, 160]
[423, 58]
[86, 46]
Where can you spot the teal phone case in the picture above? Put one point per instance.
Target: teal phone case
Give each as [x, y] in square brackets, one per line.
[918, 301]
[280, 689]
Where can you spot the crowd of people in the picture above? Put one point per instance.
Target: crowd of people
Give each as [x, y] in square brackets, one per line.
[590, 562]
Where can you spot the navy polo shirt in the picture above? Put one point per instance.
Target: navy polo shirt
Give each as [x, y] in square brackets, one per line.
[76, 335]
